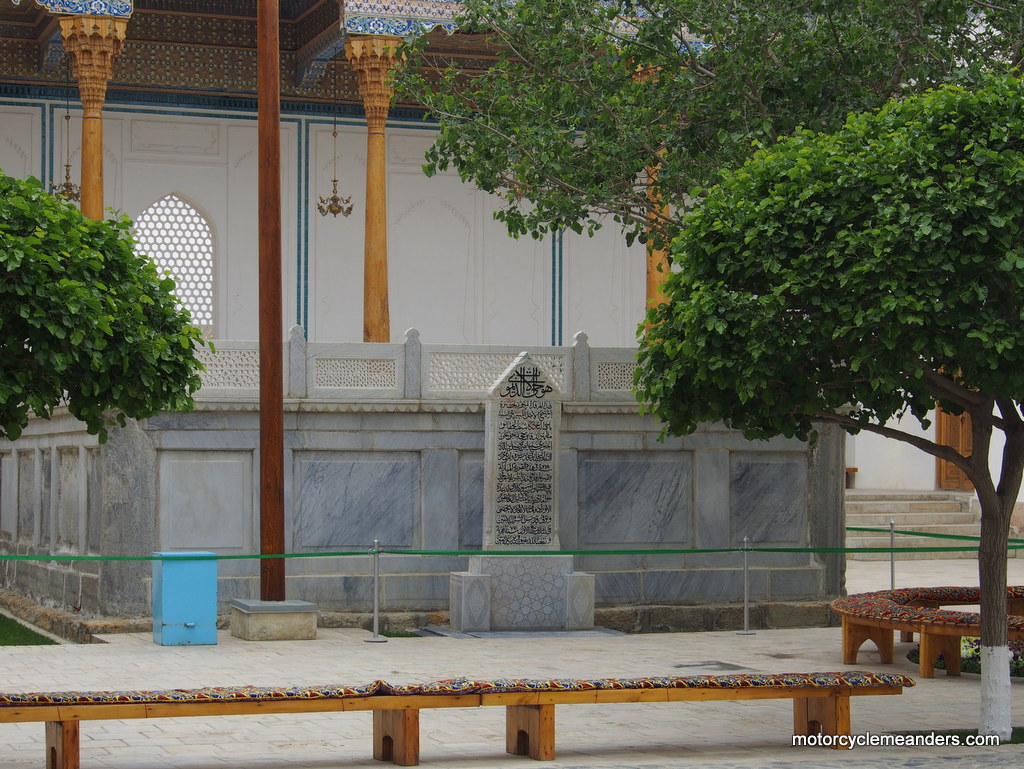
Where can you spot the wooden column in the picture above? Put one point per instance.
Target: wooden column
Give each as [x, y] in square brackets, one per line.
[268, 96]
[657, 258]
[372, 58]
[92, 44]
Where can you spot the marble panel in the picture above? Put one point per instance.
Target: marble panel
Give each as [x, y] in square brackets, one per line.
[9, 494]
[415, 441]
[211, 440]
[471, 500]
[421, 592]
[796, 584]
[705, 586]
[345, 500]
[713, 527]
[469, 602]
[206, 501]
[127, 525]
[635, 500]
[618, 587]
[568, 500]
[68, 497]
[587, 441]
[610, 562]
[94, 510]
[579, 601]
[334, 593]
[768, 498]
[26, 506]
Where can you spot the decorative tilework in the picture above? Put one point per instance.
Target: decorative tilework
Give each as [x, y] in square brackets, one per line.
[401, 18]
[117, 8]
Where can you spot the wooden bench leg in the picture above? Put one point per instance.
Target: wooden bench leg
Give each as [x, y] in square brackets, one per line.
[854, 635]
[62, 745]
[948, 646]
[530, 730]
[822, 715]
[396, 736]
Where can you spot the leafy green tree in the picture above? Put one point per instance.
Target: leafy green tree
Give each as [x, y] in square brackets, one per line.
[627, 109]
[583, 98]
[84, 320]
[858, 278]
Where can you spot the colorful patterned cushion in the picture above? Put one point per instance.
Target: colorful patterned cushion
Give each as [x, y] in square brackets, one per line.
[898, 605]
[853, 678]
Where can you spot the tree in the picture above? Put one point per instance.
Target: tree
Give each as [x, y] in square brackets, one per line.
[628, 108]
[859, 277]
[84, 320]
[584, 100]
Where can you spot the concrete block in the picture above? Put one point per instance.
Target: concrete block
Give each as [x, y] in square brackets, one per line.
[253, 620]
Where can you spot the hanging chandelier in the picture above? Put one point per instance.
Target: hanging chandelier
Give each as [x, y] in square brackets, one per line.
[67, 190]
[335, 204]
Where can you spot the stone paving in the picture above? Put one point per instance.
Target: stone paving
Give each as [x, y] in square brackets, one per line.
[726, 735]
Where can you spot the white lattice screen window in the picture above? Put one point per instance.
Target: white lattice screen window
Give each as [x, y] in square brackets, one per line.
[179, 240]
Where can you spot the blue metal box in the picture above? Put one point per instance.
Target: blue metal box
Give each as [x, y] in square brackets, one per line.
[185, 598]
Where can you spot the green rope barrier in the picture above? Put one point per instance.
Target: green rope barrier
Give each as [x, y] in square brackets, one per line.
[1015, 545]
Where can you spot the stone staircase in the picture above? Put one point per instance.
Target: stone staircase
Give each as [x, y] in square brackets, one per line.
[938, 512]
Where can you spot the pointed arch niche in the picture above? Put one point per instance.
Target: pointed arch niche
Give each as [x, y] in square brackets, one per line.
[179, 240]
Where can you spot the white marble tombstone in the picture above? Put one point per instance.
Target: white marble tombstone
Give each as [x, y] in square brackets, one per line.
[521, 459]
[528, 592]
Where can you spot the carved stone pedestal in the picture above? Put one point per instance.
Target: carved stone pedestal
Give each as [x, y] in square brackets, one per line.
[529, 592]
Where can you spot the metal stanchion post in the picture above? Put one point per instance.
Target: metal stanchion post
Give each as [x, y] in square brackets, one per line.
[892, 555]
[375, 552]
[746, 591]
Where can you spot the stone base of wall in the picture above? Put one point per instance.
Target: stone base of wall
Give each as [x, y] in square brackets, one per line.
[626, 619]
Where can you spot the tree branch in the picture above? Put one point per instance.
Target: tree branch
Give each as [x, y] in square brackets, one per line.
[930, 447]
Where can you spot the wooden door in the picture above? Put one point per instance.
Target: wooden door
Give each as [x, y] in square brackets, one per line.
[954, 431]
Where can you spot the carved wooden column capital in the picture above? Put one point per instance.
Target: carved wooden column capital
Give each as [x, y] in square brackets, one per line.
[92, 43]
[372, 58]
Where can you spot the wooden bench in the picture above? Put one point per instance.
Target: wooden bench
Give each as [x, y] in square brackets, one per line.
[877, 616]
[821, 705]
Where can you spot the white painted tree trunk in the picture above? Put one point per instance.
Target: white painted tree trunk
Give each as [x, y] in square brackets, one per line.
[995, 692]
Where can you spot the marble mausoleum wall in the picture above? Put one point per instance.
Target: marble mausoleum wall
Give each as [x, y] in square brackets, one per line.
[386, 441]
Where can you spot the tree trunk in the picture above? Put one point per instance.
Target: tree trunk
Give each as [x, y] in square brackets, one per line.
[997, 501]
[995, 653]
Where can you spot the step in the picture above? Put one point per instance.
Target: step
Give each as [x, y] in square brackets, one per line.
[882, 494]
[905, 507]
[922, 556]
[909, 519]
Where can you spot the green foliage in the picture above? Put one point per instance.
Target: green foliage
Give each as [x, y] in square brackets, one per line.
[857, 275]
[84, 320]
[13, 633]
[585, 97]
[970, 657]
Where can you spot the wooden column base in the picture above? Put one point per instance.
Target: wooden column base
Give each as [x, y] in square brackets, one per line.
[822, 715]
[62, 745]
[854, 635]
[948, 646]
[530, 731]
[396, 736]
